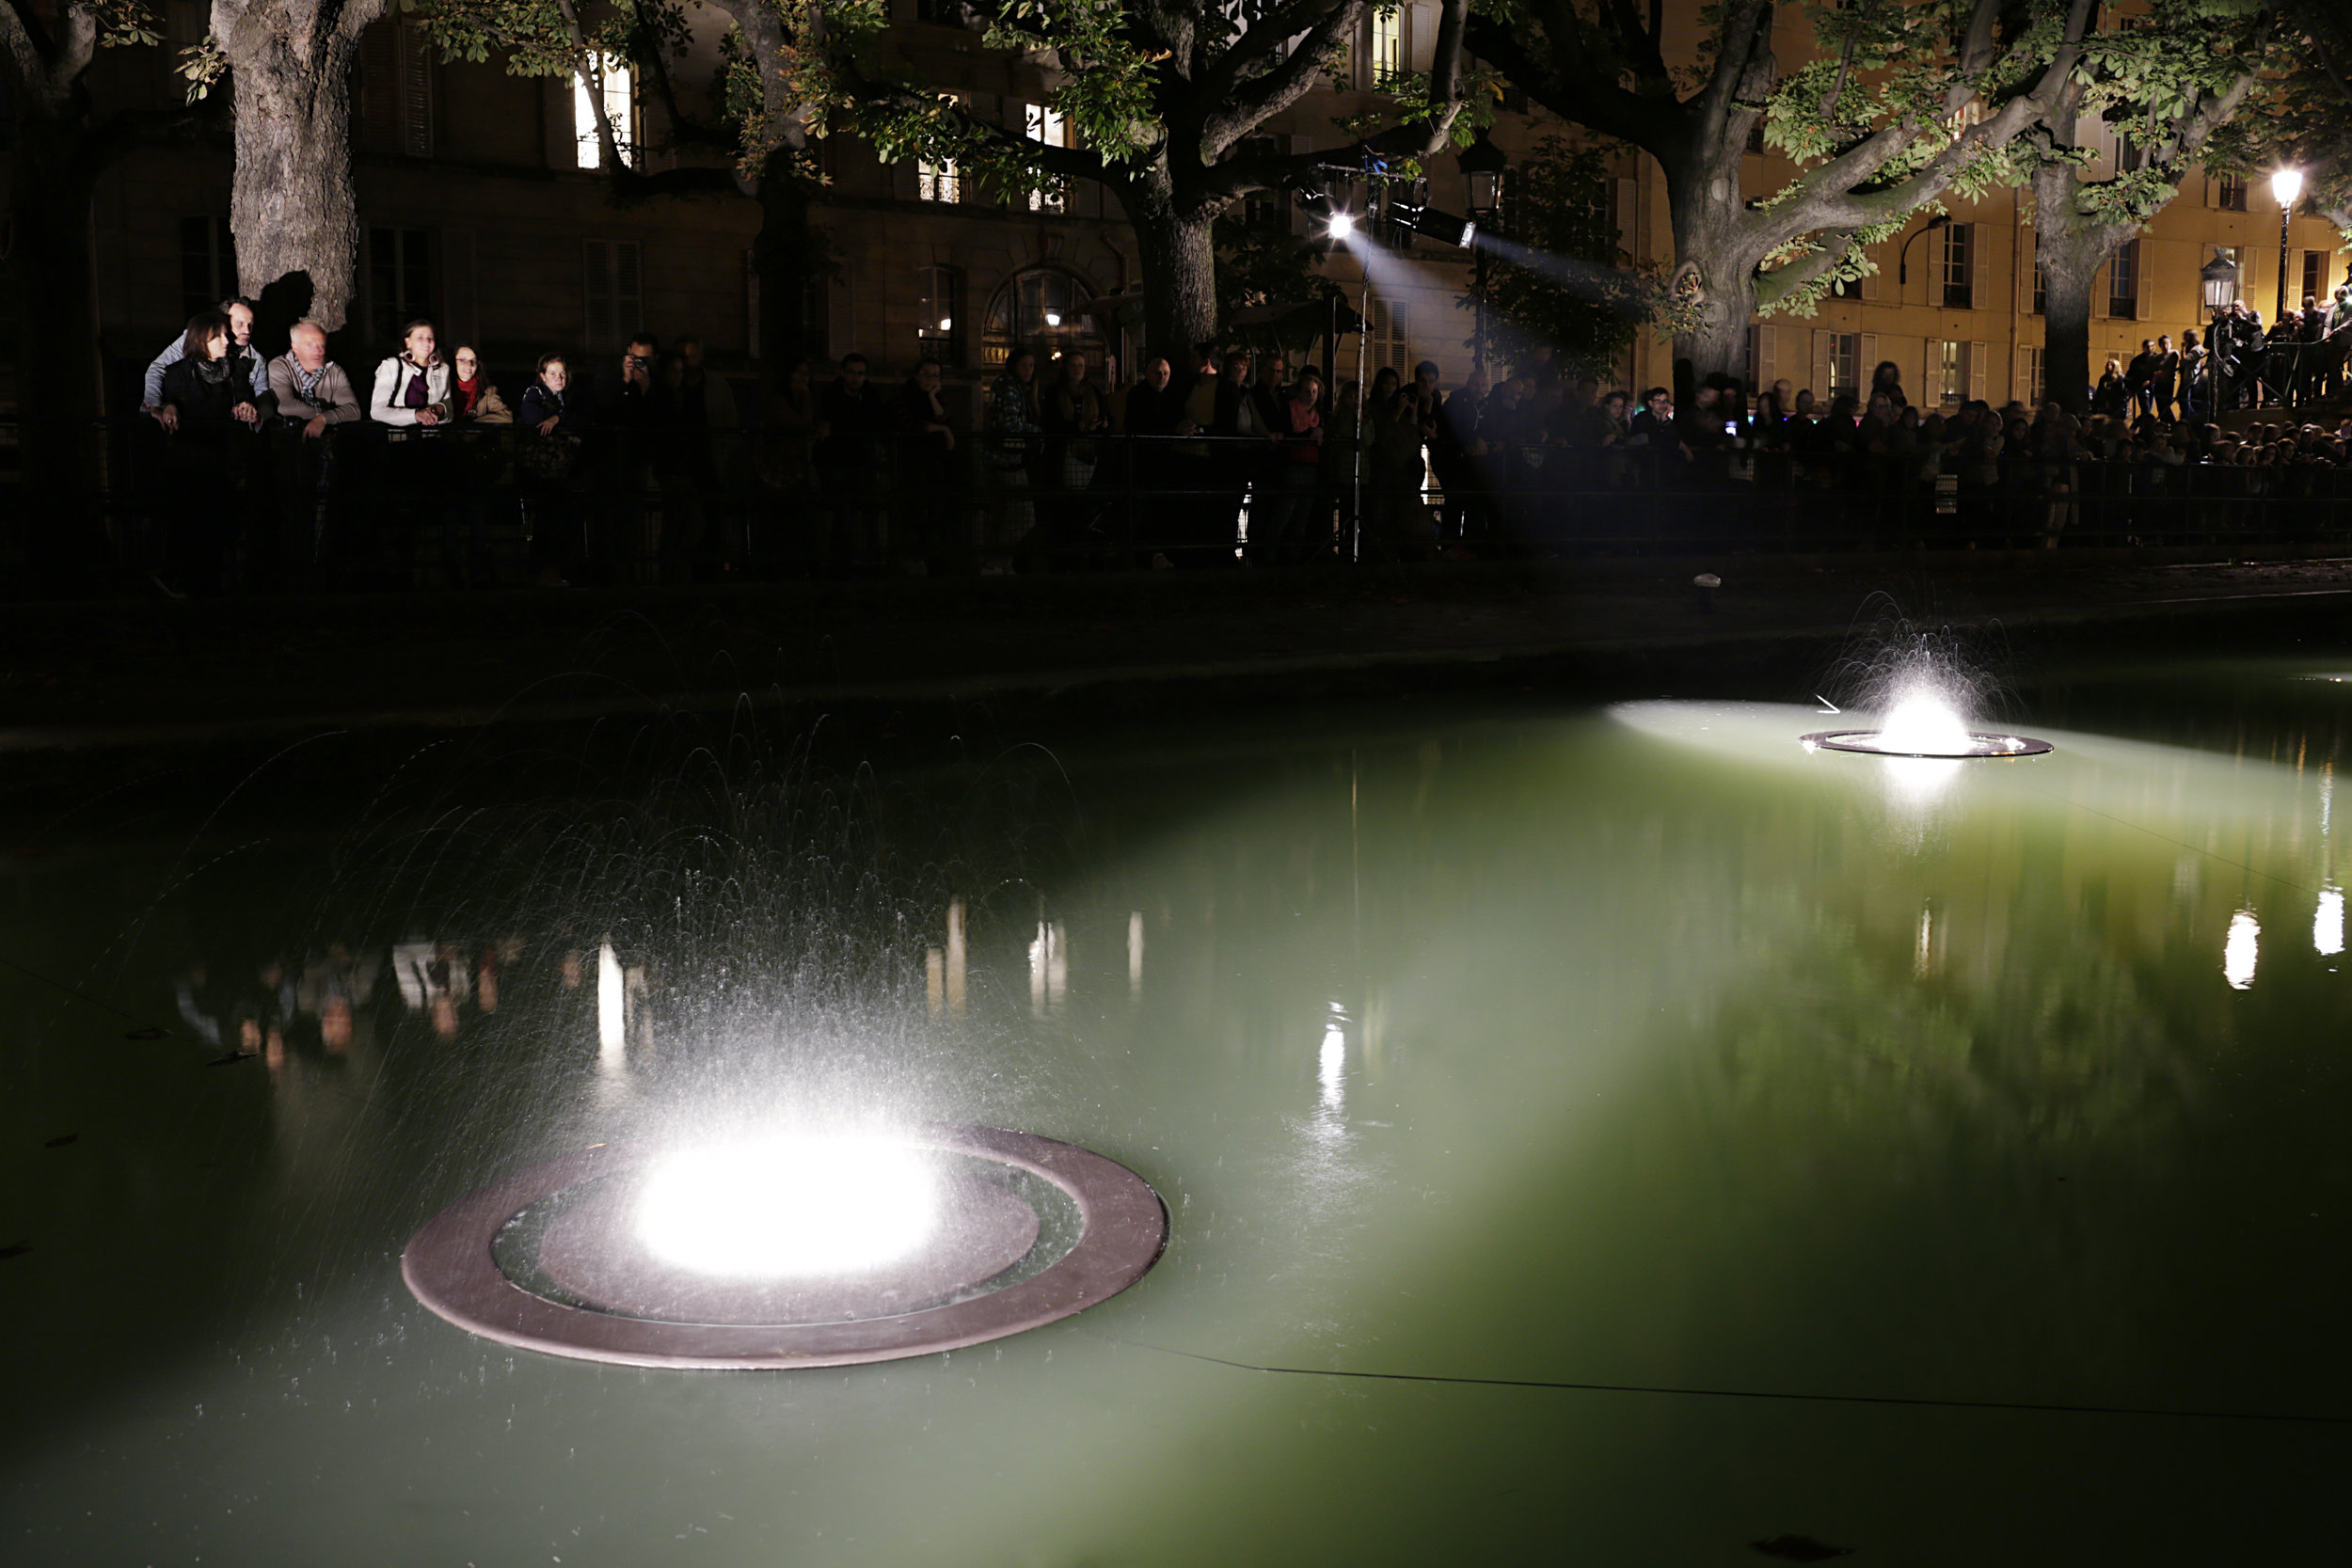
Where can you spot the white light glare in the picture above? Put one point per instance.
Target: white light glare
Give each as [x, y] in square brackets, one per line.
[1922, 721]
[612, 1009]
[2237, 953]
[2286, 185]
[1342, 225]
[789, 1207]
[2328, 924]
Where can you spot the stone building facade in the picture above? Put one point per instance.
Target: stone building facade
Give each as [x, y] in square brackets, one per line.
[477, 211]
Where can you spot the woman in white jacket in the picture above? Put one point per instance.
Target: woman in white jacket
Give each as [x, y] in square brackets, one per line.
[411, 386]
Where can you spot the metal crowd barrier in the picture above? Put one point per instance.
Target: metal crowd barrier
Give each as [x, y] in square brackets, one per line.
[116, 503]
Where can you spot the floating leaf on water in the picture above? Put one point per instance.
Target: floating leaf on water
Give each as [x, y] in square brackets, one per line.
[61, 1140]
[151, 1031]
[14, 1249]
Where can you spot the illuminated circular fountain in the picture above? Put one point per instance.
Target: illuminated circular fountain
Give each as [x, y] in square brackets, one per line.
[1919, 723]
[807, 1251]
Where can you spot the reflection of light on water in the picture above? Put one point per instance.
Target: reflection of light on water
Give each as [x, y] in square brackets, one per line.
[612, 1012]
[2237, 953]
[1332, 1065]
[1924, 959]
[1049, 967]
[789, 1207]
[2328, 924]
[1918, 780]
[1922, 721]
[1134, 953]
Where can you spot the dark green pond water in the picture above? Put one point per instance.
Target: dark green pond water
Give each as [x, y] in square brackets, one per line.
[1692, 1142]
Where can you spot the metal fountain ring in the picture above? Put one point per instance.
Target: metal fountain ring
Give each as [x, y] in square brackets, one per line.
[451, 1267]
[1989, 745]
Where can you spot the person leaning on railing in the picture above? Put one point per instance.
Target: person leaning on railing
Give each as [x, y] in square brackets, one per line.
[213, 413]
[314, 397]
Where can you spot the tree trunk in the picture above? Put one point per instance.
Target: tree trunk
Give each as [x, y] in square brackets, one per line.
[291, 206]
[1714, 269]
[1179, 265]
[2066, 328]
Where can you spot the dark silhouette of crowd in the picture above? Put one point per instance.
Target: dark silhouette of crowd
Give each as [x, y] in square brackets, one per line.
[287, 473]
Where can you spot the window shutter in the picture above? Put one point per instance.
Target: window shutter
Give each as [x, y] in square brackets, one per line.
[1977, 359]
[2144, 255]
[1820, 387]
[1976, 290]
[1763, 361]
[379, 87]
[460, 316]
[416, 93]
[1866, 362]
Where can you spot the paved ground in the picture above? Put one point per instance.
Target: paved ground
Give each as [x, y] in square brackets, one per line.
[95, 674]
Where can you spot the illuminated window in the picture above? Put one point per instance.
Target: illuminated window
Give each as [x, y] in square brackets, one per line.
[939, 316]
[939, 181]
[1045, 124]
[2032, 388]
[609, 79]
[1845, 362]
[1951, 373]
[1042, 308]
[1388, 46]
[2229, 192]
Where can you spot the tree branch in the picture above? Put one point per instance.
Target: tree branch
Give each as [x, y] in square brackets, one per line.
[1250, 103]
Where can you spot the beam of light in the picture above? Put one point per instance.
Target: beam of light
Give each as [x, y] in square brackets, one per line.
[793, 1208]
[2328, 923]
[612, 1012]
[1603, 285]
[2238, 952]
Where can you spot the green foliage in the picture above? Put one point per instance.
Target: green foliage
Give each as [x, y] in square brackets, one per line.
[1557, 202]
[1261, 265]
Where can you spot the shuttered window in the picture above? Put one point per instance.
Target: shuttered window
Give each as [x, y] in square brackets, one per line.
[1387, 346]
[614, 293]
[399, 281]
[395, 91]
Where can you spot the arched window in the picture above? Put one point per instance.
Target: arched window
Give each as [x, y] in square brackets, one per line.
[1043, 309]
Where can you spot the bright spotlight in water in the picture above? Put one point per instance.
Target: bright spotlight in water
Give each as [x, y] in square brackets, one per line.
[2238, 952]
[1924, 723]
[789, 1207]
[1342, 225]
[2328, 924]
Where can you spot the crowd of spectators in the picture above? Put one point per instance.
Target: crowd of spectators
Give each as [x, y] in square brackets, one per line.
[281, 476]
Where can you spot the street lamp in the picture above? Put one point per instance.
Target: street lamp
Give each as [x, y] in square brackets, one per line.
[2287, 184]
[1482, 163]
[1902, 257]
[2219, 277]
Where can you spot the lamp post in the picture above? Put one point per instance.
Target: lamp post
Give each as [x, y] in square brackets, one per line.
[2286, 185]
[1902, 257]
[2220, 278]
[1482, 164]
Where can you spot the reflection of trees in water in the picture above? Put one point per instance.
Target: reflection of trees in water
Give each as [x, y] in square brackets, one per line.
[2061, 1045]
